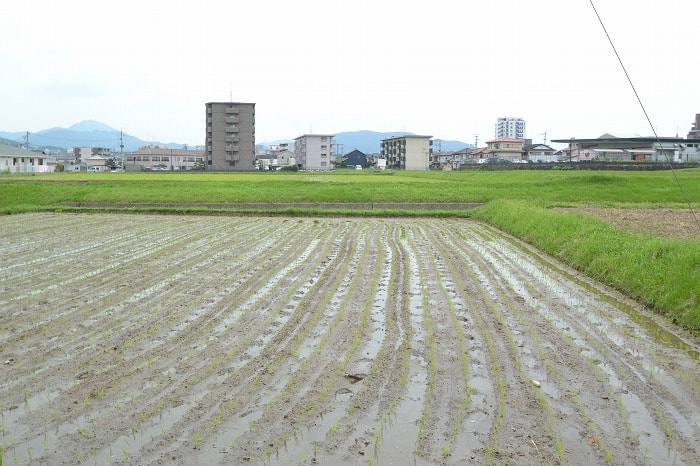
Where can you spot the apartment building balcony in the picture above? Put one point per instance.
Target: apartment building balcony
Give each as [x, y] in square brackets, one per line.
[232, 119]
[232, 157]
[233, 111]
[232, 139]
[231, 148]
[232, 129]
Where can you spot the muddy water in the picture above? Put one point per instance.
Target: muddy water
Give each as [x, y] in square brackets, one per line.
[191, 340]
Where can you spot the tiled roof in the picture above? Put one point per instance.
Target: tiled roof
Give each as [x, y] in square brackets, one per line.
[505, 139]
[12, 151]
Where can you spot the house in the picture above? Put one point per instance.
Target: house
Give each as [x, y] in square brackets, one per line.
[17, 160]
[285, 158]
[81, 154]
[98, 163]
[463, 157]
[275, 157]
[355, 158]
[442, 160]
[539, 153]
[407, 152]
[266, 161]
[480, 154]
[505, 148]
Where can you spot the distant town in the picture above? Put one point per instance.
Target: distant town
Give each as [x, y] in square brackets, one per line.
[230, 147]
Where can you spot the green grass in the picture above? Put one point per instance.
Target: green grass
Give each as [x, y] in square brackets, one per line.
[558, 187]
[659, 272]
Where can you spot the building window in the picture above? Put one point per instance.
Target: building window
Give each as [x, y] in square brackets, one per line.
[323, 156]
[324, 139]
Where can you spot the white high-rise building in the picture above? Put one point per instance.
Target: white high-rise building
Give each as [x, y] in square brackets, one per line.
[510, 128]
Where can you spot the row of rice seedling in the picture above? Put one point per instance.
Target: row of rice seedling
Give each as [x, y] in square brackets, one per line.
[329, 340]
[315, 327]
[244, 343]
[590, 335]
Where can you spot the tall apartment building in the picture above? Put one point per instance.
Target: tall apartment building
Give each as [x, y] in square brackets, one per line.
[315, 151]
[230, 140]
[409, 152]
[694, 132]
[510, 128]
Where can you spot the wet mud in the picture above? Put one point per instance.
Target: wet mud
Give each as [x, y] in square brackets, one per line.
[130, 339]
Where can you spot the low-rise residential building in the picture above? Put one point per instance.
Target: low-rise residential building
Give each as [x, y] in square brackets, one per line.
[275, 157]
[355, 158]
[81, 154]
[285, 158]
[266, 161]
[162, 158]
[539, 153]
[315, 151]
[98, 163]
[505, 148]
[17, 160]
[407, 152]
[463, 157]
[442, 160]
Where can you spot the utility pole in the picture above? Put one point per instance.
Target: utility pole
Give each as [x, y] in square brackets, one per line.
[571, 150]
[121, 149]
[476, 141]
[26, 141]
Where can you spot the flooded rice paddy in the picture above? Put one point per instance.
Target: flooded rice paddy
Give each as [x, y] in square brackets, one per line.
[137, 339]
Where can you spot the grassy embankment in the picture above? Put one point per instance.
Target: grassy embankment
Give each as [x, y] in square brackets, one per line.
[662, 273]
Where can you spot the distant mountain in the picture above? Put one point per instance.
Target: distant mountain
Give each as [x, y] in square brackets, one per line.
[369, 142]
[90, 125]
[87, 133]
[90, 133]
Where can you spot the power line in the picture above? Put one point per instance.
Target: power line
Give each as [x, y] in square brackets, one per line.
[646, 115]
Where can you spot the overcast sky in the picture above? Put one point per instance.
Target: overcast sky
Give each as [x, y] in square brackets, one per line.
[446, 68]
